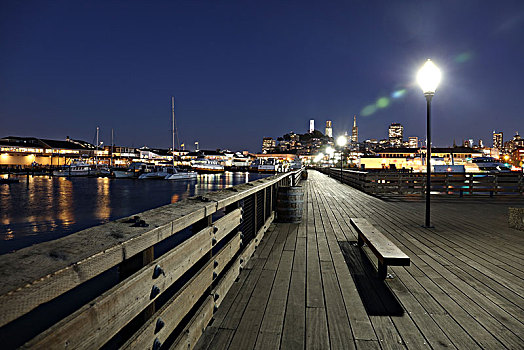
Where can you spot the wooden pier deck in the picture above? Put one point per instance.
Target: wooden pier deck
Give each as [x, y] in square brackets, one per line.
[307, 285]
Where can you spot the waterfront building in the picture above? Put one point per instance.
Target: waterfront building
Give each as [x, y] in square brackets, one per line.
[414, 158]
[329, 129]
[517, 157]
[498, 141]
[216, 155]
[30, 151]
[354, 130]
[454, 155]
[392, 158]
[268, 144]
[413, 142]
[122, 156]
[395, 134]
[156, 155]
[516, 142]
[311, 126]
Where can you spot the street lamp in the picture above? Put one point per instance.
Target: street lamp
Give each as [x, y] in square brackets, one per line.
[341, 142]
[330, 151]
[428, 77]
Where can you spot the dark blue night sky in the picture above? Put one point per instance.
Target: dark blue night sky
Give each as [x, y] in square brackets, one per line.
[248, 69]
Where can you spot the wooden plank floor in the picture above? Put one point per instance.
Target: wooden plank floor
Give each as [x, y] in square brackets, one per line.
[307, 286]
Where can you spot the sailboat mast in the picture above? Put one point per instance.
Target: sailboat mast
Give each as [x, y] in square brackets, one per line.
[96, 154]
[173, 127]
[112, 146]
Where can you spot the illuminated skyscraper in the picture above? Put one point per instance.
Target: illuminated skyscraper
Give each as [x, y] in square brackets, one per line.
[396, 134]
[497, 140]
[354, 130]
[268, 144]
[329, 130]
[413, 142]
[311, 126]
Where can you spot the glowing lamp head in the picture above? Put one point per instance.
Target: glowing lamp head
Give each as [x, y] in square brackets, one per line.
[341, 141]
[428, 77]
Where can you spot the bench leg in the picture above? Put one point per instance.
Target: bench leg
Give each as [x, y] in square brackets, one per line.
[382, 271]
[360, 241]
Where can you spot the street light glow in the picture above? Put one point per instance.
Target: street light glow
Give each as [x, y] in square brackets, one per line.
[341, 141]
[318, 157]
[428, 77]
[330, 151]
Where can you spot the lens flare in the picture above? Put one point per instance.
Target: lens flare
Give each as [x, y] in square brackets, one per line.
[368, 110]
[398, 93]
[382, 102]
[463, 57]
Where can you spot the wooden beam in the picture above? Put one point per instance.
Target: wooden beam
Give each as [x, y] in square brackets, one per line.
[96, 322]
[176, 308]
[47, 270]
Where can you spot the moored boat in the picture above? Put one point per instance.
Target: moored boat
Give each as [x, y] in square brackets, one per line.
[168, 173]
[159, 173]
[74, 169]
[178, 174]
[203, 165]
[269, 165]
[134, 170]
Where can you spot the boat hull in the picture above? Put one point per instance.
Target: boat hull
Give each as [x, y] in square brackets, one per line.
[182, 176]
[157, 175]
[120, 174]
[66, 173]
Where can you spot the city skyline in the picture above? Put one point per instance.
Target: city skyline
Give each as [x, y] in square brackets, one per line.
[241, 71]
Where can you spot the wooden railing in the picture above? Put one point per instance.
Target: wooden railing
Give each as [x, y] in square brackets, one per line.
[445, 183]
[142, 282]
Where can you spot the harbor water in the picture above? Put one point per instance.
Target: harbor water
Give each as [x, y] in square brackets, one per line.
[43, 208]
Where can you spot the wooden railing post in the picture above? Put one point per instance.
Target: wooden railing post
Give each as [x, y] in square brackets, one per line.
[255, 206]
[126, 269]
[265, 204]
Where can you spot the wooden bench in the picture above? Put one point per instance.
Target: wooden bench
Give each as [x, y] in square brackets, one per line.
[386, 252]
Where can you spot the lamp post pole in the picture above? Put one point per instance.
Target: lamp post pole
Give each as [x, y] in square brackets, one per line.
[428, 78]
[429, 96]
[341, 160]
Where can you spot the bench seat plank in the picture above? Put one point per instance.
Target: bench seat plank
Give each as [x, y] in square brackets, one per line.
[385, 250]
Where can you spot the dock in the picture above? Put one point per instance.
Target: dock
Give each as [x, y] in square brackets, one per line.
[217, 272]
[308, 285]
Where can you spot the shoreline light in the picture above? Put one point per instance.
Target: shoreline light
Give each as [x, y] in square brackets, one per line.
[341, 141]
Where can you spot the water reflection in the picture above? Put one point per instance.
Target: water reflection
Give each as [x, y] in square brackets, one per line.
[40, 208]
[103, 208]
[65, 213]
